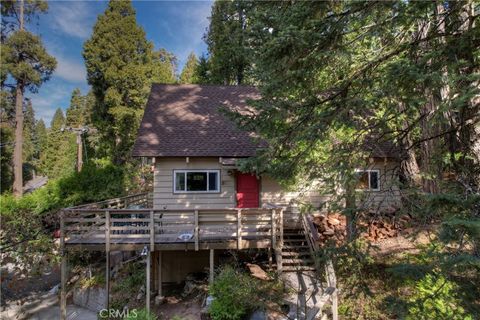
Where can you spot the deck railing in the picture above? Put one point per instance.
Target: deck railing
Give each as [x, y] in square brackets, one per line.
[134, 201]
[90, 225]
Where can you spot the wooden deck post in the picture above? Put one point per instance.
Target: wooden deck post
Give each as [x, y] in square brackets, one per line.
[107, 258]
[63, 270]
[273, 230]
[152, 232]
[281, 229]
[212, 267]
[239, 229]
[196, 231]
[278, 245]
[269, 251]
[147, 290]
[159, 270]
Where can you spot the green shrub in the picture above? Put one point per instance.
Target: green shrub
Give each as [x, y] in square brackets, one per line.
[97, 181]
[235, 293]
[132, 277]
[435, 298]
[94, 281]
[28, 222]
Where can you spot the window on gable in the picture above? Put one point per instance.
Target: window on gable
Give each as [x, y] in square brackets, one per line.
[196, 181]
[368, 180]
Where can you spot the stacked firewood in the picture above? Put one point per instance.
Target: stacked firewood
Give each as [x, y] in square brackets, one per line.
[331, 227]
[372, 225]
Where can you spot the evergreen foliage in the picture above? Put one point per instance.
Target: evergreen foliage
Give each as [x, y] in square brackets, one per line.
[59, 156]
[78, 113]
[28, 223]
[202, 71]
[25, 59]
[164, 66]
[121, 66]
[25, 65]
[188, 75]
[228, 43]
[6, 155]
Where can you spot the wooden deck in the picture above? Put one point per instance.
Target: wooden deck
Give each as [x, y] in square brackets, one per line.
[114, 225]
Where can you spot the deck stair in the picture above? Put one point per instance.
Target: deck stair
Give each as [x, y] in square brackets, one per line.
[296, 255]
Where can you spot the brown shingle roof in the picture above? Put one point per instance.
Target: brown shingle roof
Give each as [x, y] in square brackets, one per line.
[184, 121]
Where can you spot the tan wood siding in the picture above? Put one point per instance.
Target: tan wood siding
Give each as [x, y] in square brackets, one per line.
[271, 192]
[165, 198]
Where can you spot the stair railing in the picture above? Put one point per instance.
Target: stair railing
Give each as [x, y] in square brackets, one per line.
[331, 292]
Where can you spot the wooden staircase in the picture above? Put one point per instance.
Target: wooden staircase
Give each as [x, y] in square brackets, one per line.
[296, 254]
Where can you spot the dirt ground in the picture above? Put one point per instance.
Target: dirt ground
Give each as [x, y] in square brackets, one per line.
[406, 242]
[187, 309]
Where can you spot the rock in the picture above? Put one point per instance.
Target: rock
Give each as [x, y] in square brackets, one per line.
[258, 272]
[159, 300]
[209, 301]
[54, 290]
[172, 300]
[73, 279]
[258, 315]
[141, 293]
[188, 288]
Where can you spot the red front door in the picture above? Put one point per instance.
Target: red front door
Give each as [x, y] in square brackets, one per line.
[247, 191]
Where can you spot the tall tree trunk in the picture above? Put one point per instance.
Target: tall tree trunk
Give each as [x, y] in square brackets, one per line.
[428, 125]
[409, 169]
[350, 210]
[18, 150]
[429, 144]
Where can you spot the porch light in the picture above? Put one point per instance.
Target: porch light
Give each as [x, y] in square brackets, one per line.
[144, 252]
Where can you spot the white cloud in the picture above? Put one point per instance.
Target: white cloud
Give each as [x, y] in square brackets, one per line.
[70, 70]
[74, 18]
[45, 107]
[50, 97]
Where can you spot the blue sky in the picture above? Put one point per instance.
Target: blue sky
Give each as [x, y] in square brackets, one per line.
[177, 26]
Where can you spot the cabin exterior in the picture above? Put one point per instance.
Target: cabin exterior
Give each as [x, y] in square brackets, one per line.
[194, 149]
[201, 203]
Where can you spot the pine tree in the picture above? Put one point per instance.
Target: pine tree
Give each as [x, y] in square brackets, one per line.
[26, 61]
[41, 144]
[188, 75]
[29, 142]
[6, 154]
[59, 156]
[75, 112]
[164, 66]
[227, 40]
[119, 62]
[333, 75]
[58, 120]
[202, 71]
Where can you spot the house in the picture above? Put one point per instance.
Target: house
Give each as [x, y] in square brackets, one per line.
[194, 148]
[202, 204]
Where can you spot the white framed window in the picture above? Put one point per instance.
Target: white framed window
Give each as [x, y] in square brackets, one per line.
[196, 181]
[368, 180]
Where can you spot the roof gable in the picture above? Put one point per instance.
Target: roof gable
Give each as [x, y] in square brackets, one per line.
[185, 121]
